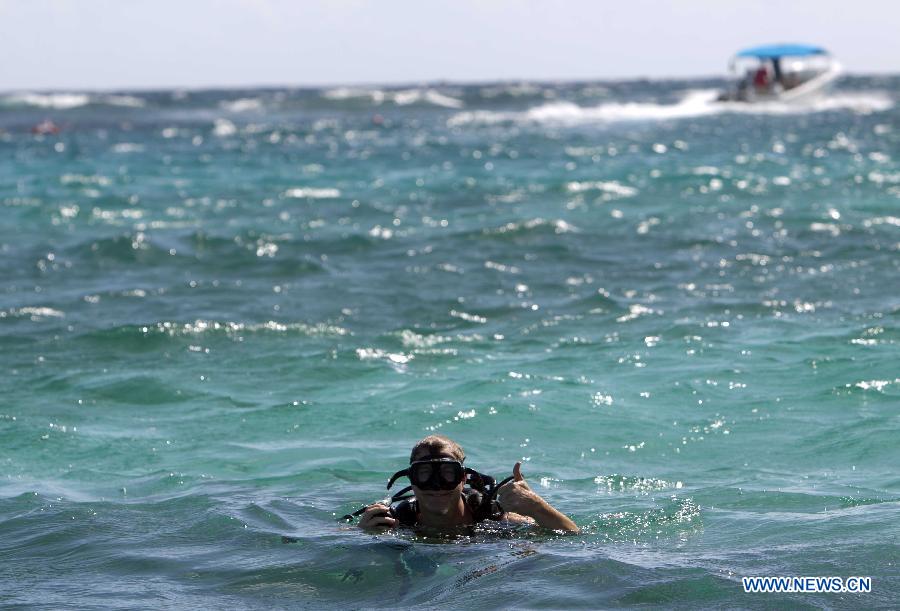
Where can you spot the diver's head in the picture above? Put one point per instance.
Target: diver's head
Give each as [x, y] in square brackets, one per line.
[436, 473]
[437, 445]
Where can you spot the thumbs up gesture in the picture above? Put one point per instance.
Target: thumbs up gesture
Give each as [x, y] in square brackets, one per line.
[517, 496]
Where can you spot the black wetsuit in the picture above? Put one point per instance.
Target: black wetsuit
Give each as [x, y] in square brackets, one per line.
[406, 512]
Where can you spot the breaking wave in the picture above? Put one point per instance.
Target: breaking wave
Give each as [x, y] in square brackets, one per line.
[695, 103]
[403, 97]
[66, 101]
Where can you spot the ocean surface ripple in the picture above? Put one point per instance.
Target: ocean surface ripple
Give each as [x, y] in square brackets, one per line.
[226, 315]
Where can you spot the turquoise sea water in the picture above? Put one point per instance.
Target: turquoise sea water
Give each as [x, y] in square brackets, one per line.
[226, 316]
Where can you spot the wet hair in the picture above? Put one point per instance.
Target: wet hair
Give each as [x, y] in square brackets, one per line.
[438, 444]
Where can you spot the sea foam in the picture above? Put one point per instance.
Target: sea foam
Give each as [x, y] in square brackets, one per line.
[694, 103]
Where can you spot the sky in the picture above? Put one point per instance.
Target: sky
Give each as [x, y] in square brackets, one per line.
[145, 44]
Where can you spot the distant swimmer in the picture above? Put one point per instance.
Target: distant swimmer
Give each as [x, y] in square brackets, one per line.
[446, 496]
[45, 128]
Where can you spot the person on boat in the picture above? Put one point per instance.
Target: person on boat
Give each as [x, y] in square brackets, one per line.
[761, 80]
[778, 75]
[448, 496]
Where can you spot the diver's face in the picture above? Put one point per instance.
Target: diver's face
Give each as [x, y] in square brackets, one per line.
[438, 501]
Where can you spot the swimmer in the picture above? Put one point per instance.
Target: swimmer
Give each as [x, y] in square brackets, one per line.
[45, 128]
[448, 497]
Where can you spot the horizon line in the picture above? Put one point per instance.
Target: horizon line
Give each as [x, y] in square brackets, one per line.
[394, 84]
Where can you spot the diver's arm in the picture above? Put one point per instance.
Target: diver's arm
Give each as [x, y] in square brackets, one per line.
[519, 498]
[517, 518]
[377, 517]
[548, 516]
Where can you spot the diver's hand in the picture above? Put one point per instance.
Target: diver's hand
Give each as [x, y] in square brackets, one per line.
[517, 497]
[377, 517]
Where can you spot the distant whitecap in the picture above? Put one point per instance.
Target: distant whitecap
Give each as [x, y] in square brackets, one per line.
[224, 128]
[611, 186]
[59, 101]
[242, 105]
[313, 193]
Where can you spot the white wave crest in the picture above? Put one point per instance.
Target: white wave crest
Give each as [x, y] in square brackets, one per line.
[695, 103]
[403, 97]
[612, 187]
[127, 147]
[348, 93]
[242, 105]
[559, 226]
[397, 360]
[864, 102]
[35, 313]
[59, 101]
[128, 101]
[66, 101]
[313, 193]
[224, 128]
[200, 327]
[432, 96]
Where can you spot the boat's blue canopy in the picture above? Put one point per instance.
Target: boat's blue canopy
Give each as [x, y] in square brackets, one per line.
[776, 51]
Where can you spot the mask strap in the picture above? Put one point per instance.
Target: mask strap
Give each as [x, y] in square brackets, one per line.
[396, 476]
[438, 457]
[480, 481]
[495, 489]
[399, 496]
[474, 478]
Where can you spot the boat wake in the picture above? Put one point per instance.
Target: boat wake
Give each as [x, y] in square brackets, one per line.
[695, 103]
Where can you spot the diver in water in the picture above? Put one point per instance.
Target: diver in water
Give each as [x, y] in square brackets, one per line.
[447, 496]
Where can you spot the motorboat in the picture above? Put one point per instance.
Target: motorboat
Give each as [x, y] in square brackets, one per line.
[780, 73]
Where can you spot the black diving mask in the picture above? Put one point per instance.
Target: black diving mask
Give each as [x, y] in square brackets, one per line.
[438, 473]
[434, 474]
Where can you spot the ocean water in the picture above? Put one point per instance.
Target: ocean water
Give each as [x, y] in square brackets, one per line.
[226, 316]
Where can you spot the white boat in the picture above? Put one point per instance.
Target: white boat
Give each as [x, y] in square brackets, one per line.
[781, 73]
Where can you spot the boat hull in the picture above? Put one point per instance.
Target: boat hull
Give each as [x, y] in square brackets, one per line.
[802, 93]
